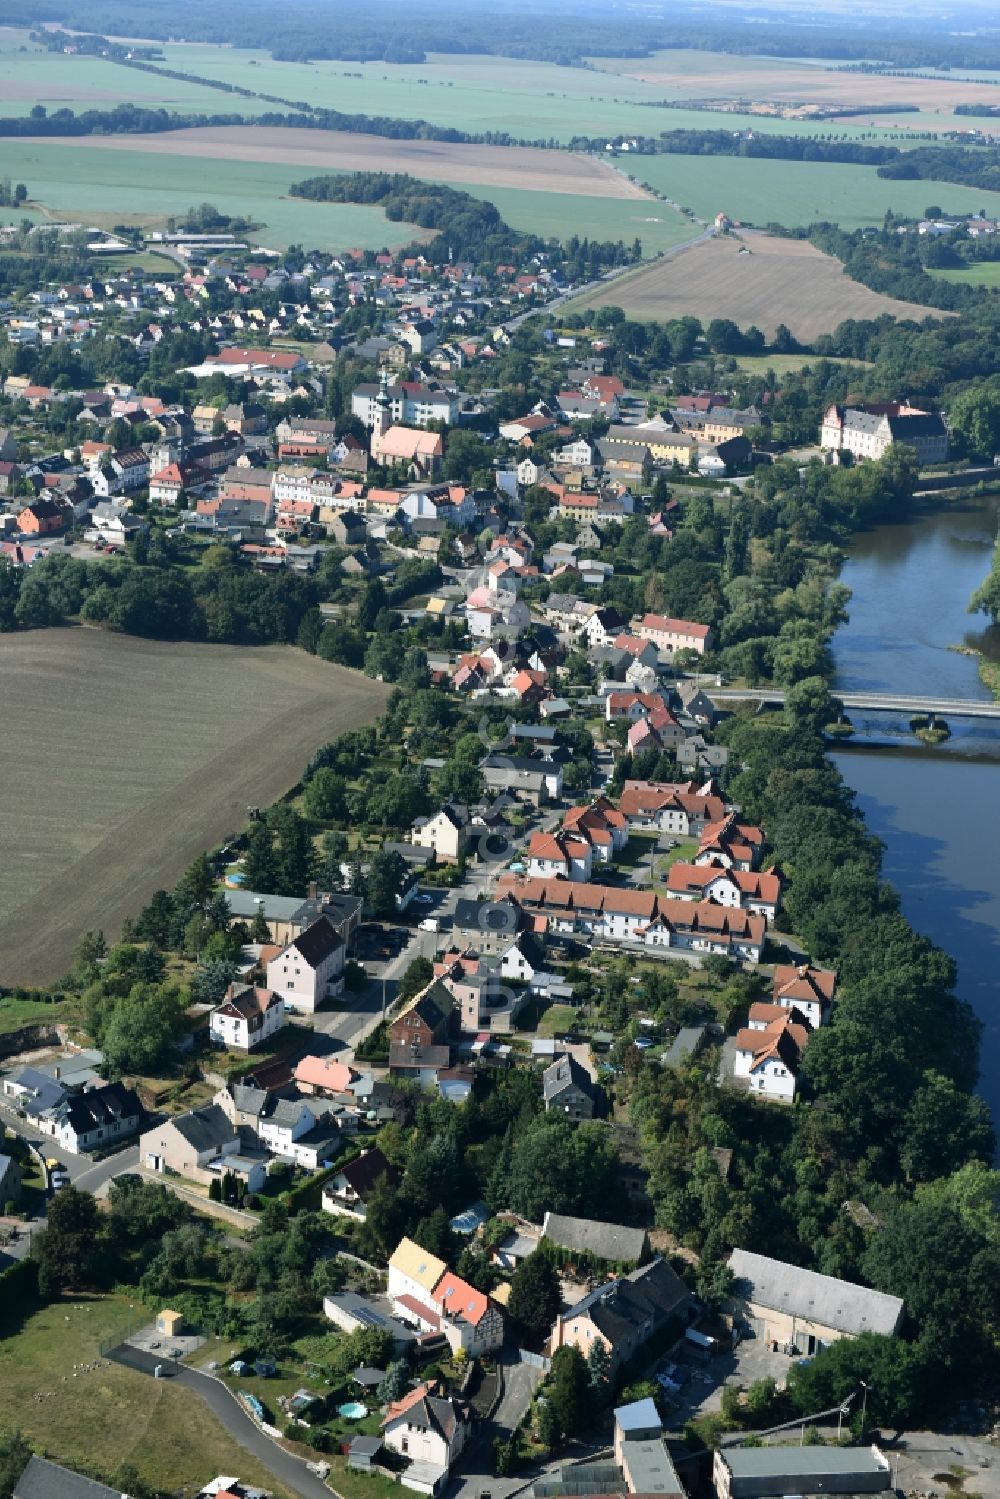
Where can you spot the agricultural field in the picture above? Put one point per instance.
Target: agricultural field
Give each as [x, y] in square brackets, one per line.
[528, 100]
[30, 75]
[171, 743]
[799, 82]
[81, 182]
[317, 151]
[107, 180]
[780, 281]
[115, 1414]
[657, 225]
[792, 193]
[978, 273]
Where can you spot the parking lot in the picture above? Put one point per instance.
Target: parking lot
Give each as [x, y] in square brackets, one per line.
[701, 1395]
[150, 1340]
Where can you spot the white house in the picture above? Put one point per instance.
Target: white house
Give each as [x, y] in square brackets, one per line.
[96, 1118]
[310, 969]
[247, 1017]
[769, 1050]
[447, 832]
[559, 855]
[430, 1431]
[283, 1123]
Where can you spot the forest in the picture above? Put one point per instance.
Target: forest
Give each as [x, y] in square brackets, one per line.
[561, 33]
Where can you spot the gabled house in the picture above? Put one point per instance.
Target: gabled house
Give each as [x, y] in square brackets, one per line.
[734, 844]
[672, 635]
[310, 968]
[96, 1118]
[558, 855]
[600, 824]
[186, 1144]
[347, 1193]
[447, 832]
[624, 1313]
[419, 1044]
[568, 1089]
[423, 1290]
[247, 1017]
[430, 1431]
[806, 989]
[768, 1051]
[748, 889]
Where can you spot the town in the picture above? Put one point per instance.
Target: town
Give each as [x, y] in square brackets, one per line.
[428, 1130]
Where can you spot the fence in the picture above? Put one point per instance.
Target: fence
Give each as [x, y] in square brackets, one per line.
[534, 1360]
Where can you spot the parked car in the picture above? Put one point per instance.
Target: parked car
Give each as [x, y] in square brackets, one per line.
[668, 1384]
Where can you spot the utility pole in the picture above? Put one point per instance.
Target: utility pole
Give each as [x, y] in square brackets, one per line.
[864, 1407]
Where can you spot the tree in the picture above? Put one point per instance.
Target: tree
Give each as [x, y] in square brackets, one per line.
[417, 976]
[386, 877]
[599, 1366]
[986, 599]
[325, 796]
[259, 864]
[71, 1251]
[394, 1382]
[809, 701]
[569, 1390]
[975, 421]
[141, 1027]
[535, 1297]
[14, 1457]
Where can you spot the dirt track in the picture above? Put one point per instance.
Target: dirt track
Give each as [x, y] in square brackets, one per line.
[126, 758]
[781, 281]
[540, 170]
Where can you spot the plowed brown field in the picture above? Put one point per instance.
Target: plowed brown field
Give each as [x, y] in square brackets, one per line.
[541, 170]
[124, 758]
[781, 281]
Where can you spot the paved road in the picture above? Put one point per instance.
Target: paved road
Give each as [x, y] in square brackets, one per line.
[288, 1470]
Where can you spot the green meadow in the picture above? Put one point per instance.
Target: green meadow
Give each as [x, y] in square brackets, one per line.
[985, 273]
[86, 183]
[79, 83]
[799, 192]
[560, 215]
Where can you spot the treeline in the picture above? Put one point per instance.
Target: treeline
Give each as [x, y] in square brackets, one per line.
[897, 265]
[469, 228]
[978, 111]
[224, 602]
[772, 147]
[973, 166]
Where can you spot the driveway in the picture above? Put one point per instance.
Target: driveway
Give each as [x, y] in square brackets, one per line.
[288, 1470]
[520, 1381]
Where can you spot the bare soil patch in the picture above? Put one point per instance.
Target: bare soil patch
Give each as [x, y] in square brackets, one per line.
[539, 170]
[794, 83]
[781, 281]
[126, 758]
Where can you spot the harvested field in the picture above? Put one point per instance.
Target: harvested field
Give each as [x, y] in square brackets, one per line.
[792, 81]
[543, 171]
[781, 281]
[141, 754]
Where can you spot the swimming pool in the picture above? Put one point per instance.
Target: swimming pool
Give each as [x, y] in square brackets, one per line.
[352, 1410]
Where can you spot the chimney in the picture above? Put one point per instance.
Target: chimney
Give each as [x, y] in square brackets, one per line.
[313, 889]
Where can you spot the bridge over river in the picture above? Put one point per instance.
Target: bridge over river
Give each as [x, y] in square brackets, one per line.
[874, 702]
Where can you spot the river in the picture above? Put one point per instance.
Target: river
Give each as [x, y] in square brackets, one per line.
[936, 810]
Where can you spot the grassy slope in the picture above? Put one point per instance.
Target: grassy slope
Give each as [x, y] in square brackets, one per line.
[985, 273]
[111, 1414]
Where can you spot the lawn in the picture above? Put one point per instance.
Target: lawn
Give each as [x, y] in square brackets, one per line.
[15, 1013]
[171, 742]
[93, 186]
[683, 853]
[758, 192]
[557, 1021]
[75, 1408]
[981, 273]
[787, 364]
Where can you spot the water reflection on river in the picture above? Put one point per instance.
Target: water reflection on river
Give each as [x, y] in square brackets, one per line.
[937, 811]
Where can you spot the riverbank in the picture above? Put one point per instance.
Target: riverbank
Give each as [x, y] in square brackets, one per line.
[935, 809]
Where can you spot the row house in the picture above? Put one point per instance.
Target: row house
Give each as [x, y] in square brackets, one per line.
[671, 807]
[672, 635]
[707, 928]
[747, 889]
